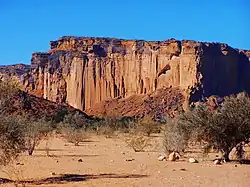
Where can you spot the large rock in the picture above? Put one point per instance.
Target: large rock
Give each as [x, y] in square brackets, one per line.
[84, 71]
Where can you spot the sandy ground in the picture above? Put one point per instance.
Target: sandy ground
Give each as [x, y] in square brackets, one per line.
[105, 163]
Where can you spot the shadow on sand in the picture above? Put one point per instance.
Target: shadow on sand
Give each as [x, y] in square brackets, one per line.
[66, 178]
[61, 156]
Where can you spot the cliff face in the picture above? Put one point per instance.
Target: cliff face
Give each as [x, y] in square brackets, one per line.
[86, 71]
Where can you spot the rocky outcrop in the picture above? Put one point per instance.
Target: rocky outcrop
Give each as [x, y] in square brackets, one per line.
[83, 71]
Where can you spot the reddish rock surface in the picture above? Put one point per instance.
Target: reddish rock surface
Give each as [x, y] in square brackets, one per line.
[164, 102]
[35, 107]
[85, 71]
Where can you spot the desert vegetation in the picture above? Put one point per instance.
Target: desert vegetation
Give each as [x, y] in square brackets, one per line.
[223, 129]
[35, 132]
[12, 139]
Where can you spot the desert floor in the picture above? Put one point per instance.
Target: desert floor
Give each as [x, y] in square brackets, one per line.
[109, 162]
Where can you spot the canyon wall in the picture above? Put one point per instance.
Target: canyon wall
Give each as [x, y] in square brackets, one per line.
[83, 71]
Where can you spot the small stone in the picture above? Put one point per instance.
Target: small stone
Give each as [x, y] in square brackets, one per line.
[80, 160]
[174, 156]
[123, 153]
[217, 162]
[193, 160]
[183, 169]
[129, 160]
[161, 158]
[111, 160]
[53, 173]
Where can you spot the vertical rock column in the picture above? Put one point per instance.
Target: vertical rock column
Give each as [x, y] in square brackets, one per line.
[75, 84]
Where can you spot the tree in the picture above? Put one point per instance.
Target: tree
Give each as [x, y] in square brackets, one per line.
[12, 139]
[222, 129]
[35, 132]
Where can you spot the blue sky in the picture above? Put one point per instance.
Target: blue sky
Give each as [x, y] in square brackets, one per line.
[27, 26]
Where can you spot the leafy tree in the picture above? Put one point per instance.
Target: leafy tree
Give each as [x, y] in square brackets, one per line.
[12, 139]
[35, 132]
[223, 129]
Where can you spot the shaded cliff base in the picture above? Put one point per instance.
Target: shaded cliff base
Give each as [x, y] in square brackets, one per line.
[164, 102]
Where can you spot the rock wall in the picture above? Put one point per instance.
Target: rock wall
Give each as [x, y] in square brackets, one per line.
[83, 71]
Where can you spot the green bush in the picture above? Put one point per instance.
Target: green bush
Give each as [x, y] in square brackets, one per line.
[35, 132]
[146, 126]
[60, 115]
[76, 121]
[12, 139]
[73, 135]
[73, 128]
[223, 129]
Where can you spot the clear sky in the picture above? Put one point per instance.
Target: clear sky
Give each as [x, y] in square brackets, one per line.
[27, 26]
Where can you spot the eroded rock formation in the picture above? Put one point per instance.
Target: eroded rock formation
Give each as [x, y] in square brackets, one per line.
[84, 71]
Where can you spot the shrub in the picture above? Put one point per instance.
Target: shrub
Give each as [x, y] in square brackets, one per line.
[106, 130]
[146, 126]
[12, 139]
[174, 137]
[75, 121]
[107, 127]
[138, 142]
[36, 131]
[8, 89]
[223, 129]
[60, 115]
[73, 135]
[73, 128]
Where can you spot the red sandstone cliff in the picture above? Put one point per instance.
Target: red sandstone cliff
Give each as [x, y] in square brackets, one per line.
[84, 71]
